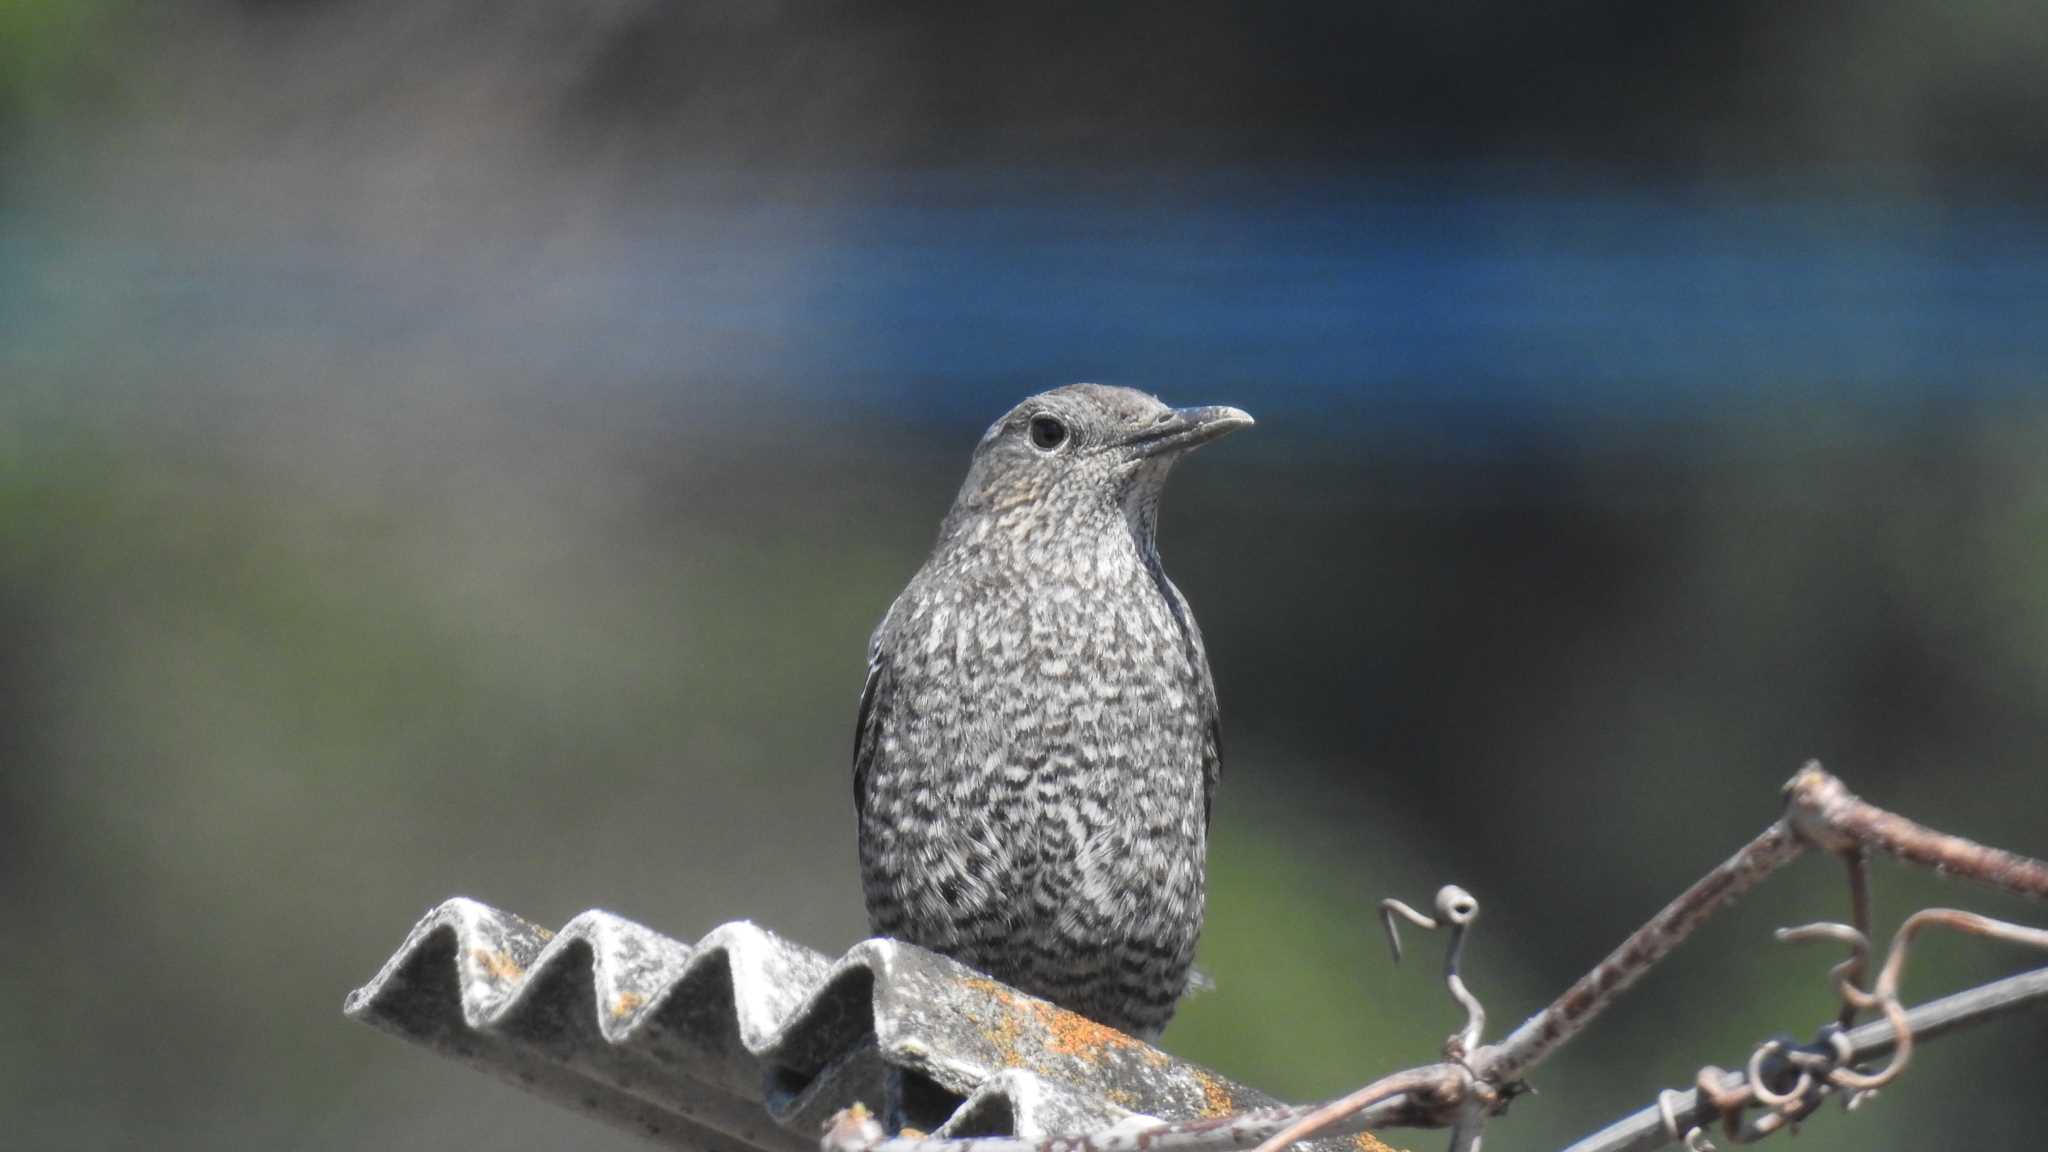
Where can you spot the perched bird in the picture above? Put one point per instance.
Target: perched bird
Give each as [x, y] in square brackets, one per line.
[1036, 748]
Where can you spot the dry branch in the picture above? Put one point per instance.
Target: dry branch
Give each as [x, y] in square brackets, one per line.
[1825, 813]
[1647, 1129]
[1478, 1081]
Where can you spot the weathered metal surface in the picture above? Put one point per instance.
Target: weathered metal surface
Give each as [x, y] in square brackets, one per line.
[748, 1041]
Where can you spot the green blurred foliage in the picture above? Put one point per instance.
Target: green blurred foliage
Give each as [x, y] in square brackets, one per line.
[44, 46]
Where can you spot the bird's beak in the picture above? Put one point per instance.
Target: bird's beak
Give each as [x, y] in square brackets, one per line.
[1186, 428]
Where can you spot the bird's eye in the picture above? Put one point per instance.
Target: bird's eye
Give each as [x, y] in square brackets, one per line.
[1047, 433]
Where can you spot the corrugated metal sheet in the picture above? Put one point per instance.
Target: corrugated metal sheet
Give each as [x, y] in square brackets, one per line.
[745, 1040]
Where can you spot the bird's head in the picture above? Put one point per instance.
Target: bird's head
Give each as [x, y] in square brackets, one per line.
[1085, 456]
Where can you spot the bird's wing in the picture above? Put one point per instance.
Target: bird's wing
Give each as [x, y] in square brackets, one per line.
[1212, 768]
[864, 734]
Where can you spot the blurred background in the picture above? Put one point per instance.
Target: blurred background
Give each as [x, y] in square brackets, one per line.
[452, 446]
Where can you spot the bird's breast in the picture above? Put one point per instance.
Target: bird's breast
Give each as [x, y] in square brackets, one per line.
[1058, 675]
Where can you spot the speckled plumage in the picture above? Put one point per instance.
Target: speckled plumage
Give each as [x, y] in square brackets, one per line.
[1037, 742]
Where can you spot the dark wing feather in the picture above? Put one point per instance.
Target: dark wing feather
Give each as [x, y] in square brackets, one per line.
[867, 726]
[864, 730]
[1213, 770]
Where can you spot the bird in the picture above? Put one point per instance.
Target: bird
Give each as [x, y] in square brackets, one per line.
[1038, 745]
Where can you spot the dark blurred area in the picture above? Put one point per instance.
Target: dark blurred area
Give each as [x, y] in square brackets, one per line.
[1903, 93]
[450, 447]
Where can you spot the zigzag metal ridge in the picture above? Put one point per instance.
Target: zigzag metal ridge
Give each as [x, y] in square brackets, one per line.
[747, 1041]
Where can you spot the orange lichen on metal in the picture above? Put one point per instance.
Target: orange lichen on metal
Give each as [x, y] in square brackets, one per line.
[1077, 1036]
[1216, 1097]
[626, 1002]
[1004, 1032]
[498, 964]
[1367, 1142]
[1065, 1033]
[1123, 1098]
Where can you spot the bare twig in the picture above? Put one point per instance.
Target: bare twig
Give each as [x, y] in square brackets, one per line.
[1788, 1082]
[1469, 1125]
[1844, 975]
[1479, 1081]
[1856, 862]
[1542, 1034]
[1456, 909]
[1425, 1080]
[1825, 813]
[1885, 994]
[1820, 812]
[1647, 1129]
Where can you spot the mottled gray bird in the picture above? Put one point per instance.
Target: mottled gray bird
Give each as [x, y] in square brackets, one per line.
[1037, 742]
